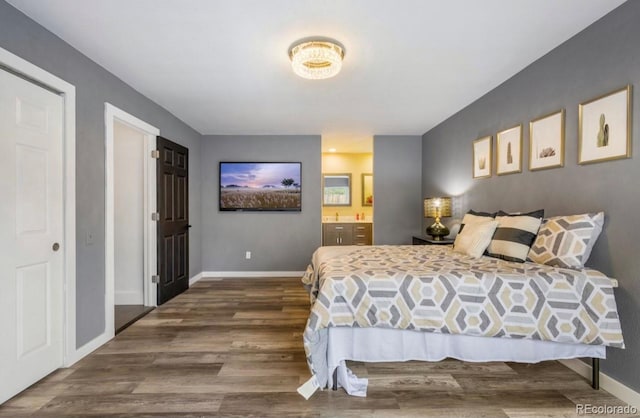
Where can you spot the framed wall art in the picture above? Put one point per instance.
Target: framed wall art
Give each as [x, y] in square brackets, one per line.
[509, 151]
[546, 141]
[482, 157]
[604, 129]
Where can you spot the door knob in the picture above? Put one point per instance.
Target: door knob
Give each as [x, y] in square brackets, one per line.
[55, 246]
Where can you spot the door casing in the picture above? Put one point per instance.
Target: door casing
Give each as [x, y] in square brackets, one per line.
[111, 115]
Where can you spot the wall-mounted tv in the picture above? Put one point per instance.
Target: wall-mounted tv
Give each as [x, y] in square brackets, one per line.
[260, 186]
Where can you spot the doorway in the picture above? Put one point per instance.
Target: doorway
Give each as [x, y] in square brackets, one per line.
[130, 229]
[128, 202]
[347, 190]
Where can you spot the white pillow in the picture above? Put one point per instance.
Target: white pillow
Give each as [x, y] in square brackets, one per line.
[475, 238]
[472, 217]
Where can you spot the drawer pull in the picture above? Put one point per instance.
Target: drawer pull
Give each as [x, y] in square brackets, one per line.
[339, 227]
[360, 236]
[360, 228]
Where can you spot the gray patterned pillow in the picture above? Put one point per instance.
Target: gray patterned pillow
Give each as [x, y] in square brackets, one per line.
[567, 241]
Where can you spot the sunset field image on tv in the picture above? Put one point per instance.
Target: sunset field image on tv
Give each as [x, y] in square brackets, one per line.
[263, 186]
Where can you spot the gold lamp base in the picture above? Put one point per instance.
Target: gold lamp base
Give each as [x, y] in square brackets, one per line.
[437, 230]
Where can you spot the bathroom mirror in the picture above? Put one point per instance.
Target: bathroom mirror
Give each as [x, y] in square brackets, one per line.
[367, 189]
[336, 189]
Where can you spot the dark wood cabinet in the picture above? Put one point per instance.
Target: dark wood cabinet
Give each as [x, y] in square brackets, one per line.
[346, 234]
[362, 234]
[337, 234]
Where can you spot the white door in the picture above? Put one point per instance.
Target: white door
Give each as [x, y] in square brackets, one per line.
[31, 224]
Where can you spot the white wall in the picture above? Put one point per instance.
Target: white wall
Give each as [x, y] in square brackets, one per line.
[129, 215]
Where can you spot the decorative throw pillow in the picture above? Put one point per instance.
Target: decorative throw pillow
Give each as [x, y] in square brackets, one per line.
[473, 217]
[567, 241]
[536, 213]
[514, 235]
[475, 238]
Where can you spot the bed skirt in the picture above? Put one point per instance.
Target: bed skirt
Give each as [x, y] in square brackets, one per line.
[392, 345]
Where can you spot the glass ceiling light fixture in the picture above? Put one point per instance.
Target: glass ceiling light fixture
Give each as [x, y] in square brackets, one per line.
[316, 59]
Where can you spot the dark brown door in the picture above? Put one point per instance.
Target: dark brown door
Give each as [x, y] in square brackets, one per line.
[173, 225]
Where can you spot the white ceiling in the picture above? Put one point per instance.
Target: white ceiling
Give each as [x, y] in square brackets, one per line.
[222, 66]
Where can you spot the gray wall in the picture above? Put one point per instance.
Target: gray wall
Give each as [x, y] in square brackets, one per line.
[94, 86]
[278, 241]
[397, 209]
[602, 58]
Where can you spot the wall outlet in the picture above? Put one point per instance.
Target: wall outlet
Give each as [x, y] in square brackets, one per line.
[247, 255]
[89, 238]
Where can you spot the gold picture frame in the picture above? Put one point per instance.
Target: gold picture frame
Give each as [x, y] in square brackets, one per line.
[367, 189]
[482, 157]
[546, 141]
[509, 151]
[604, 127]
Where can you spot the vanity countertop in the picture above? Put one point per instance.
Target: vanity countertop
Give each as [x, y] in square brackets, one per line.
[345, 220]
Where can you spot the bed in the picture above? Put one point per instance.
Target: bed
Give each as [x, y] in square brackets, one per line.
[399, 303]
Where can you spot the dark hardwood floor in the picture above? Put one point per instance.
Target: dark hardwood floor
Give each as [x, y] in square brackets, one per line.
[126, 315]
[233, 348]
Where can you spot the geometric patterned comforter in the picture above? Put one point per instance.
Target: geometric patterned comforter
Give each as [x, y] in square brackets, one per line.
[430, 288]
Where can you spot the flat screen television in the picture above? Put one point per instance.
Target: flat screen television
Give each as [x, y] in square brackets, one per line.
[260, 186]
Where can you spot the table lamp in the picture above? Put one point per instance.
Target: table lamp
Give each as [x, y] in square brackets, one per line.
[437, 207]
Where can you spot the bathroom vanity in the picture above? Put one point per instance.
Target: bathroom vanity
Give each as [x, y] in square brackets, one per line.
[347, 233]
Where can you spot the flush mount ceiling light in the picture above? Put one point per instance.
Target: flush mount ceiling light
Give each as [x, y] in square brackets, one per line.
[317, 59]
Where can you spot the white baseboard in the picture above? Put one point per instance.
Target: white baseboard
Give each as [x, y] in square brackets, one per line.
[251, 274]
[128, 298]
[195, 279]
[611, 385]
[88, 348]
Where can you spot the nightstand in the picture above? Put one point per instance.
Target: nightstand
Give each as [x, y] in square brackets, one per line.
[429, 241]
